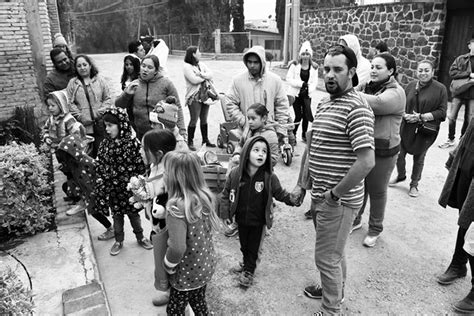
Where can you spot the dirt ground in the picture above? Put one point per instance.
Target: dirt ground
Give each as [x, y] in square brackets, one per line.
[397, 276]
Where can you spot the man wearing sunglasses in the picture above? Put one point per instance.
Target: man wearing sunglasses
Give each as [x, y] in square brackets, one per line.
[340, 155]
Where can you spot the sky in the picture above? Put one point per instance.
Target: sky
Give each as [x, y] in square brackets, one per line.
[259, 9]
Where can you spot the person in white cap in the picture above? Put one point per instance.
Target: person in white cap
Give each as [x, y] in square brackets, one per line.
[363, 64]
[302, 79]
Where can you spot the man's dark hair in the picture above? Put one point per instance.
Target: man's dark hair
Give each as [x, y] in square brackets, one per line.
[55, 52]
[133, 46]
[382, 47]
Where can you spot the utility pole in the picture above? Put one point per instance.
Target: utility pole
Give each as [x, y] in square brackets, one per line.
[286, 31]
[295, 24]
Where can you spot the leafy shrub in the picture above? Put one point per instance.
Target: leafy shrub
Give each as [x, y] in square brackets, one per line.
[27, 197]
[14, 298]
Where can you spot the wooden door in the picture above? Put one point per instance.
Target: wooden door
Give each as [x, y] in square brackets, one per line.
[458, 31]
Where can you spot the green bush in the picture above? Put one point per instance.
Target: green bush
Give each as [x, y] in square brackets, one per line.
[14, 298]
[27, 206]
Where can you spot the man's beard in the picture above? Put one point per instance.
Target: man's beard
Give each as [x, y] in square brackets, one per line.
[335, 88]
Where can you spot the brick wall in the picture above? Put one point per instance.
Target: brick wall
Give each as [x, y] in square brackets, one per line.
[18, 74]
[53, 17]
[413, 31]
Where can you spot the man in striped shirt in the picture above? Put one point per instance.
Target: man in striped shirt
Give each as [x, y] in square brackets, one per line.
[340, 155]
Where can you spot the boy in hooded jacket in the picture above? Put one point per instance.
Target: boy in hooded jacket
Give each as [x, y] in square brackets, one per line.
[118, 159]
[248, 194]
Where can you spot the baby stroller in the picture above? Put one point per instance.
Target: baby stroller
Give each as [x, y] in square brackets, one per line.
[229, 132]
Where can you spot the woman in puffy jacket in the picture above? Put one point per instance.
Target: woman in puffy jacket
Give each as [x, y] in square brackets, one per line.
[89, 96]
[387, 99]
[302, 79]
[141, 96]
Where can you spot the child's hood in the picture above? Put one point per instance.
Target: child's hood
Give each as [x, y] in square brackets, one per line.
[73, 145]
[124, 122]
[245, 154]
[61, 98]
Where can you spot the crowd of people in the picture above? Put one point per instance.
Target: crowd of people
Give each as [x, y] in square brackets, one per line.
[136, 153]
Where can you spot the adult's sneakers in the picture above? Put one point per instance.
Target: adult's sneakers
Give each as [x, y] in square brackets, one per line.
[396, 180]
[447, 144]
[316, 292]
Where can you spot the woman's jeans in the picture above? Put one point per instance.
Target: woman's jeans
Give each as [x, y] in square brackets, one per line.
[198, 110]
[453, 115]
[376, 184]
[418, 163]
[302, 112]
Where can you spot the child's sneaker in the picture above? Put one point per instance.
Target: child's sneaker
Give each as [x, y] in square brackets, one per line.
[232, 230]
[237, 269]
[75, 209]
[145, 243]
[115, 250]
[448, 143]
[108, 234]
[246, 279]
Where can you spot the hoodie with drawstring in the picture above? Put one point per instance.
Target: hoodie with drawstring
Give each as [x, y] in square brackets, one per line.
[59, 126]
[363, 64]
[267, 89]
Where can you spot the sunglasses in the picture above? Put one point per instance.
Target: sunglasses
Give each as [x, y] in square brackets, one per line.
[337, 49]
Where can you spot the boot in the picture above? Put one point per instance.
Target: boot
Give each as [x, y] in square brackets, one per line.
[205, 139]
[466, 305]
[452, 274]
[191, 130]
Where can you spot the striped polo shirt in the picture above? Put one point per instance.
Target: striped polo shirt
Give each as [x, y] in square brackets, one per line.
[341, 126]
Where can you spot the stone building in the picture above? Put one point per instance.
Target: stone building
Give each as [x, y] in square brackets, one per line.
[25, 42]
[413, 31]
[437, 30]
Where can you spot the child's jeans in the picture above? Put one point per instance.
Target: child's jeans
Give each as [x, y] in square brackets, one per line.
[179, 299]
[134, 221]
[160, 245]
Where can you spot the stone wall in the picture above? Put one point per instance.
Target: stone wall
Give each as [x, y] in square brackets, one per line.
[53, 17]
[21, 64]
[413, 31]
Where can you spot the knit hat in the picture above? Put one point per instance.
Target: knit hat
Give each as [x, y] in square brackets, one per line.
[59, 40]
[165, 112]
[306, 47]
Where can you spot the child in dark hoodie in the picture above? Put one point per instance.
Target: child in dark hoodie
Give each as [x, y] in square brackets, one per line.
[118, 159]
[248, 194]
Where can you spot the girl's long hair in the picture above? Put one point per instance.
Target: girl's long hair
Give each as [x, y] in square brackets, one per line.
[158, 143]
[136, 70]
[185, 184]
[189, 57]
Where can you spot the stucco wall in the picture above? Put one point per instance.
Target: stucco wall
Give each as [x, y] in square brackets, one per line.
[413, 31]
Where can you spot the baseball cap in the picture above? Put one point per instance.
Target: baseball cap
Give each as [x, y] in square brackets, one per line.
[351, 58]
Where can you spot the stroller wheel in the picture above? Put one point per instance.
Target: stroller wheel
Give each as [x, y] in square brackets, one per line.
[230, 148]
[220, 143]
[287, 156]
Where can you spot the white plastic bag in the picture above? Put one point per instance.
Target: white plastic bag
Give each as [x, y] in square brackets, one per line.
[469, 240]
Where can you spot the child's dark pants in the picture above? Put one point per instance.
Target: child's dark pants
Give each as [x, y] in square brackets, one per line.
[179, 299]
[134, 221]
[250, 238]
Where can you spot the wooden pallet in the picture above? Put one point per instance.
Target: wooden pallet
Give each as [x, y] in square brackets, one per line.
[214, 174]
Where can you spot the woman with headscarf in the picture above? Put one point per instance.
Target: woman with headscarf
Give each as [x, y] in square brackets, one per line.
[363, 64]
[387, 99]
[302, 79]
